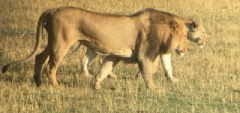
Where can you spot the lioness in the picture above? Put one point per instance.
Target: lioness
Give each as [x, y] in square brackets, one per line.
[141, 37]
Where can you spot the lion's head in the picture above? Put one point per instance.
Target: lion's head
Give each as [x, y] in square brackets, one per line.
[197, 34]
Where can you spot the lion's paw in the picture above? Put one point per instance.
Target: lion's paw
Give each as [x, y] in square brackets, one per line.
[95, 86]
[153, 87]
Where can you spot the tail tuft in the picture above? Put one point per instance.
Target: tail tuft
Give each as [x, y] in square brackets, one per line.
[5, 68]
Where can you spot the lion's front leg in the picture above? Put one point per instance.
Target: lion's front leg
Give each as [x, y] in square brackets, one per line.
[106, 68]
[167, 66]
[147, 68]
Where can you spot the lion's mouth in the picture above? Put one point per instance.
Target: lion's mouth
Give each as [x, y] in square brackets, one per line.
[180, 53]
[200, 43]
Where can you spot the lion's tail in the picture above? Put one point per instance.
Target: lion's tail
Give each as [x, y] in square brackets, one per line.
[39, 32]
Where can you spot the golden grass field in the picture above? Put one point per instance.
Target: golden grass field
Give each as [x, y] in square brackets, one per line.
[210, 77]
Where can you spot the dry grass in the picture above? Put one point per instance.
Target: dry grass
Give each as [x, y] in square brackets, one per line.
[210, 76]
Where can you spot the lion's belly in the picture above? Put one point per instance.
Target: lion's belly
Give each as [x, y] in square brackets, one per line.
[108, 49]
[127, 53]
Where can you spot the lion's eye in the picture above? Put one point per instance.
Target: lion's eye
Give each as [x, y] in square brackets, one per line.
[197, 39]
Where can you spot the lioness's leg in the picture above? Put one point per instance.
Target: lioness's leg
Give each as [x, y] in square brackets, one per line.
[146, 67]
[167, 66]
[89, 56]
[111, 75]
[58, 49]
[40, 60]
[107, 66]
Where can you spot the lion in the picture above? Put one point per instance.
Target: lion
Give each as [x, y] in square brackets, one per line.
[195, 33]
[141, 37]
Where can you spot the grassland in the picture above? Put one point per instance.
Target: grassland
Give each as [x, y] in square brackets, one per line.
[210, 77]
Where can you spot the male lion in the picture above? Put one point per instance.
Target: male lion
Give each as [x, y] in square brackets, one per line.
[195, 33]
[141, 37]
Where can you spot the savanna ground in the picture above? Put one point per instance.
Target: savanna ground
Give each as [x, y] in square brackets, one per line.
[210, 77]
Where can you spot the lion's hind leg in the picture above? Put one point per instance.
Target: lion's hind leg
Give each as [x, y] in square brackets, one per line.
[58, 49]
[111, 75]
[40, 60]
[89, 56]
[106, 68]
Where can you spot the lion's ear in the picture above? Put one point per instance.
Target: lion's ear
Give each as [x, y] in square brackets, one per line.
[194, 24]
[173, 24]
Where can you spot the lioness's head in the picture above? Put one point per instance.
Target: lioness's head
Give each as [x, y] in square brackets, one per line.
[197, 34]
